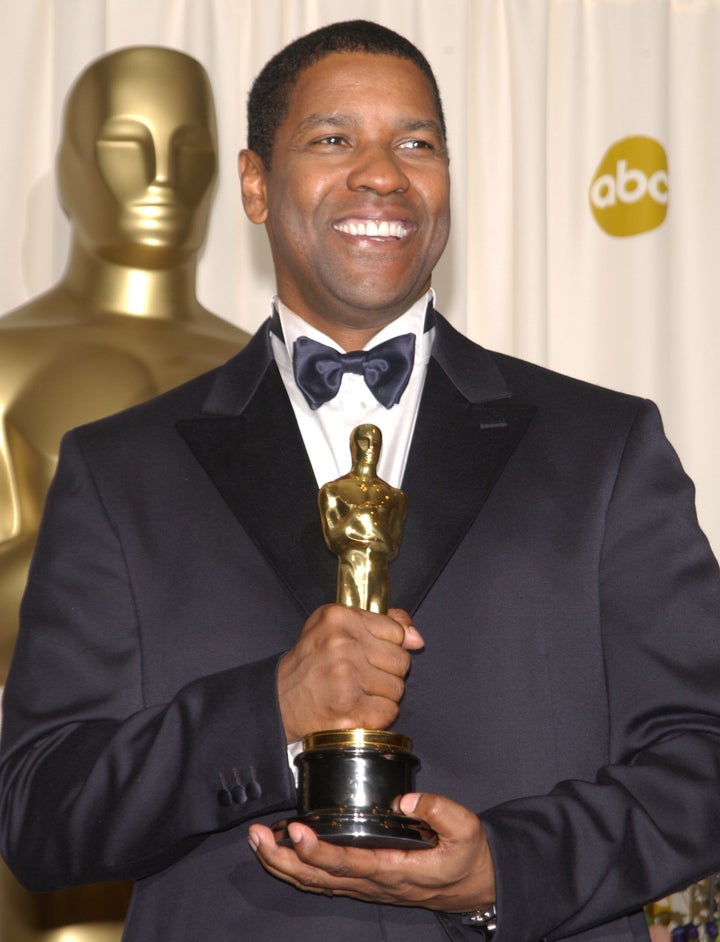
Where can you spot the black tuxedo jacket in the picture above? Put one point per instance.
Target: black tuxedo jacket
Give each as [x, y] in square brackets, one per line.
[568, 691]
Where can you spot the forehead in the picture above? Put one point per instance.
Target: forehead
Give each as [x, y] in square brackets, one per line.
[356, 82]
[367, 436]
[159, 89]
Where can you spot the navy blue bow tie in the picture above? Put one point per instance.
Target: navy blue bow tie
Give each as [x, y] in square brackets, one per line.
[387, 367]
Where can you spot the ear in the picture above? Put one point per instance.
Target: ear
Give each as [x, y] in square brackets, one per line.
[252, 184]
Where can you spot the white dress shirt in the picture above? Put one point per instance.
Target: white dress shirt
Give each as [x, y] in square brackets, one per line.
[326, 431]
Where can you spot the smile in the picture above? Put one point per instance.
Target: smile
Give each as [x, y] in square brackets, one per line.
[383, 229]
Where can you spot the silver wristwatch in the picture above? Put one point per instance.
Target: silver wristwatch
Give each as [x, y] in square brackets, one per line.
[482, 920]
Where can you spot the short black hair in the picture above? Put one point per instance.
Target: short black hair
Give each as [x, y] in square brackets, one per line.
[269, 97]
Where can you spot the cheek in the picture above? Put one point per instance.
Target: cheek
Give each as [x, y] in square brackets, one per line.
[126, 168]
[303, 196]
[435, 190]
[291, 240]
[441, 203]
[288, 231]
[438, 203]
[293, 216]
[194, 171]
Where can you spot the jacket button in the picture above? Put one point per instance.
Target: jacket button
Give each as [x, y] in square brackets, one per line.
[253, 790]
[224, 797]
[238, 794]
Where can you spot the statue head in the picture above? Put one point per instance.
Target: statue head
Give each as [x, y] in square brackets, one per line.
[365, 444]
[138, 157]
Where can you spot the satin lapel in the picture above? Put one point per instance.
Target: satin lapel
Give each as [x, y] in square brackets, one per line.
[458, 452]
[259, 465]
[249, 444]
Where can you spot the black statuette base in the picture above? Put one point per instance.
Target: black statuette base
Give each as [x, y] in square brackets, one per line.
[362, 829]
[347, 782]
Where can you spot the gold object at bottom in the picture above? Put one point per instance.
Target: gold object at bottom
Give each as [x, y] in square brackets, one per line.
[357, 738]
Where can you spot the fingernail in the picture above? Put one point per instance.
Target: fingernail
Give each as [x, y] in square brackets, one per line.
[253, 841]
[296, 834]
[409, 802]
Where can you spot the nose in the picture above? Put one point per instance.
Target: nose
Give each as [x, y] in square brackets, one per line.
[164, 160]
[378, 168]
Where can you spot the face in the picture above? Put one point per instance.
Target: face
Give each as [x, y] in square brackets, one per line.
[365, 444]
[356, 204]
[138, 158]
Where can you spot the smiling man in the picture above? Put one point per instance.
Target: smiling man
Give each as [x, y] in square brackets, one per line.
[177, 638]
[356, 197]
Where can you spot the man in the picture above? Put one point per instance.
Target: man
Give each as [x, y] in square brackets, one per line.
[563, 695]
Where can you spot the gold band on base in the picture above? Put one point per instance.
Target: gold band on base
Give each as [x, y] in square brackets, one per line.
[358, 739]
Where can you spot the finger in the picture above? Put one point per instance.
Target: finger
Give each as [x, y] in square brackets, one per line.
[400, 615]
[412, 639]
[350, 869]
[280, 860]
[395, 627]
[450, 821]
[302, 864]
[384, 627]
[388, 657]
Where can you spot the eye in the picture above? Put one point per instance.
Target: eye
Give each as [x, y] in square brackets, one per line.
[124, 131]
[331, 140]
[417, 144]
[125, 155]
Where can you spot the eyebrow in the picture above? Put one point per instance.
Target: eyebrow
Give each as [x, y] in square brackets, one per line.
[318, 120]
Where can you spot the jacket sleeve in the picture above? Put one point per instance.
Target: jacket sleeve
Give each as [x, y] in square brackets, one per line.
[95, 782]
[591, 851]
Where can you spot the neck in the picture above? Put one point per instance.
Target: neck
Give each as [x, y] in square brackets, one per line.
[111, 288]
[363, 470]
[349, 338]
[348, 335]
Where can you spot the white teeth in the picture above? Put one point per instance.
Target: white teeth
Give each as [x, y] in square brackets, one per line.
[382, 229]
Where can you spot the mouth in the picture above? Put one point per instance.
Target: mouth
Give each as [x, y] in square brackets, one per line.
[156, 209]
[373, 228]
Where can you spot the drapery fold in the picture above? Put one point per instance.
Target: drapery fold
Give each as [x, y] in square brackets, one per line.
[536, 94]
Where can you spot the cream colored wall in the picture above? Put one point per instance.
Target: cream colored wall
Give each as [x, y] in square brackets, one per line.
[536, 91]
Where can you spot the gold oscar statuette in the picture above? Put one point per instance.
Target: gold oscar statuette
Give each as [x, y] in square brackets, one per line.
[348, 778]
[136, 167]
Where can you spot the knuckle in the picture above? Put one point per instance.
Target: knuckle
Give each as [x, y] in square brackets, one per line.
[386, 715]
[311, 883]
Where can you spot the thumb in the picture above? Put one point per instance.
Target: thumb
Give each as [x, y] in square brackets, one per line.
[462, 841]
[413, 640]
[451, 821]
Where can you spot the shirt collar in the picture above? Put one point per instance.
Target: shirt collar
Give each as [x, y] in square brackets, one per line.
[414, 321]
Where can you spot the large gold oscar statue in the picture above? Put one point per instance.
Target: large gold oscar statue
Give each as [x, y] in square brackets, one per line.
[136, 167]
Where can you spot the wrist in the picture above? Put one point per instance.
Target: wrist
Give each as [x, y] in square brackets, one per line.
[482, 920]
[287, 714]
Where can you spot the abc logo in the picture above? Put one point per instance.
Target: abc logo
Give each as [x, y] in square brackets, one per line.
[629, 192]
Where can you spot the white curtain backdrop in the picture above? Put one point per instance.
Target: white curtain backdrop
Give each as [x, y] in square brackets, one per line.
[607, 269]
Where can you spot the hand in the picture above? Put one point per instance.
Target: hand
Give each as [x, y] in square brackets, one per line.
[456, 876]
[346, 671]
